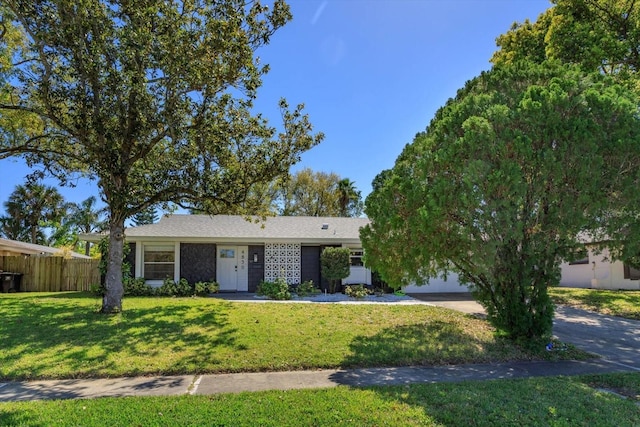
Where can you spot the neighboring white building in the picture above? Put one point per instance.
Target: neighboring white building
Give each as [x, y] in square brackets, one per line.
[597, 272]
[438, 285]
[16, 248]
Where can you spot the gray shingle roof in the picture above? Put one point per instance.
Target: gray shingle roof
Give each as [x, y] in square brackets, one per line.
[237, 228]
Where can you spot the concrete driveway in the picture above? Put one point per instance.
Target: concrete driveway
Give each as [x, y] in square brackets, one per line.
[460, 301]
[613, 338]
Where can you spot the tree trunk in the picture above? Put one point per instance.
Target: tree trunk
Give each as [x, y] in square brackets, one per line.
[87, 248]
[112, 299]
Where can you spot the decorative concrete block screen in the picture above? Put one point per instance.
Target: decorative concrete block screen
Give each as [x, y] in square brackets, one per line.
[282, 260]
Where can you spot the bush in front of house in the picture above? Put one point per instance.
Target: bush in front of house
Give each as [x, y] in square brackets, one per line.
[334, 266]
[356, 291]
[137, 287]
[306, 289]
[278, 289]
[182, 288]
[205, 288]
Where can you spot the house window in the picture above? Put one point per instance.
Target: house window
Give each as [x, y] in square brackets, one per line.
[631, 273]
[227, 253]
[159, 262]
[581, 256]
[355, 258]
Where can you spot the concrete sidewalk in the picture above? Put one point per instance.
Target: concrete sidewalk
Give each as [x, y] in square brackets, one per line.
[234, 383]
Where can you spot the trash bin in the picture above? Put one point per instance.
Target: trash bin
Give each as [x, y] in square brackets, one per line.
[10, 281]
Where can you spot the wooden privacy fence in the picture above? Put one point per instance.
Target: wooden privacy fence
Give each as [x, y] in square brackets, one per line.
[52, 273]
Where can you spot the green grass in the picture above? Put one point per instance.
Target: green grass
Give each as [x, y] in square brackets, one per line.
[63, 336]
[556, 401]
[615, 303]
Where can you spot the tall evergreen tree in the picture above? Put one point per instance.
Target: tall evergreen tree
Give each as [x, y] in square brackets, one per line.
[502, 185]
[146, 216]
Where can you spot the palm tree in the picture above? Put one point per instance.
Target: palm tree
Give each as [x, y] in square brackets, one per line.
[87, 218]
[32, 206]
[349, 198]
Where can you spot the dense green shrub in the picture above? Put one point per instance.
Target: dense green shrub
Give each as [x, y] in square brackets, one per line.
[170, 288]
[334, 264]
[306, 288]
[356, 291]
[137, 287]
[205, 288]
[279, 289]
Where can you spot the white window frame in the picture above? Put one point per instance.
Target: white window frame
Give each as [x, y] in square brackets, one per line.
[163, 247]
[354, 254]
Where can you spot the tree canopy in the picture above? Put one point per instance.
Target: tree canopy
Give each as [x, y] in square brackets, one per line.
[502, 185]
[529, 161]
[85, 217]
[30, 209]
[598, 35]
[152, 99]
[309, 193]
[149, 215]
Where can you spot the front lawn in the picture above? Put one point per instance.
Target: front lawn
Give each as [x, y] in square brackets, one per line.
[559, 401]
[63, 336]
[614, 303]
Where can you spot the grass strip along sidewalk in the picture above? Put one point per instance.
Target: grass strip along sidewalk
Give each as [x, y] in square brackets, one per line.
[563, 401]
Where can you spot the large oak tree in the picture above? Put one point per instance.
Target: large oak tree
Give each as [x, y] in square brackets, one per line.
[153, 99]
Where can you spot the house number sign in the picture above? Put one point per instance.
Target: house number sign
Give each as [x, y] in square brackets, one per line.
[243, 259]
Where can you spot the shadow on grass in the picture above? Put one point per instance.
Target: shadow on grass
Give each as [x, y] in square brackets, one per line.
[75, 295]
[68, 338]
[431, 343]
[16, 418]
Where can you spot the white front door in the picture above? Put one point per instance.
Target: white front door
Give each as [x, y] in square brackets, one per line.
[232, 271]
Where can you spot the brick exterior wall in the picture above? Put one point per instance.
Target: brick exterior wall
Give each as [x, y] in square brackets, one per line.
[310, 260]
[256, 269]
[198, 262]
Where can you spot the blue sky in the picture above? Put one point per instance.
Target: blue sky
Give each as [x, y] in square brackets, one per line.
[371, 74]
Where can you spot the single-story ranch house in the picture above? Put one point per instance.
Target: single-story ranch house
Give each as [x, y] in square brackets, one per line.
[239, 254]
